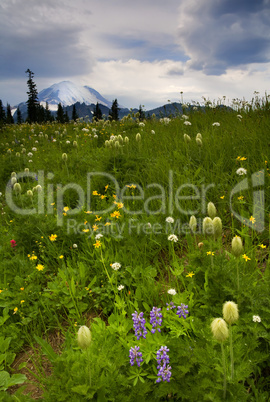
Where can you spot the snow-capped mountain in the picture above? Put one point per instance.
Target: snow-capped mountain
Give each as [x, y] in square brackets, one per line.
[67, 93]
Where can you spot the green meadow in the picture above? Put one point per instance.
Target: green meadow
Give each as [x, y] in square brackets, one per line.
[122, 243]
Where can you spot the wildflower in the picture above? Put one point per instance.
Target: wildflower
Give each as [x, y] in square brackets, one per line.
[240, 198]
[256, 318]
[134, 354]
[97, 244]
[40, 267]
[22, 301]
[170, 306]
[155, 319]
[219, 329]
[163, 361]
[66, 209]
[217, 224]
[61, 256]
[187, 138]
[262, 246]
[230, 312]
[200, 245]
[52, 237]
[64, 157]
[95, 227]
[208, 228]
[187, 123]
[241, 171]
[33, 257]
[193, 223]
[172, 292]
[169, 219]
[210, 253]
[138, 137]
[182, 310]
[15, 310]
[211, 210]
[139, 325]
[13, 243]
[84, 337]
[120, 287]
[1, 290]
[190, 274]
[216, 124]
[237, 246]
[222, 197]
[98, 218]
[246, 258]
[95, 192]
[17, 188]
[116, 214]
[252, 219]
[115, 266]
[29, 193]
[98, 236]
[75, 245]
[165, 373]
[173, 238]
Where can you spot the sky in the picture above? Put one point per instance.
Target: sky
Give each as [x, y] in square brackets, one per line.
[144, 52]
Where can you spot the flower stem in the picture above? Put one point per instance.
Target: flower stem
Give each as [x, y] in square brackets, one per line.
[224, 372]
[231, 351]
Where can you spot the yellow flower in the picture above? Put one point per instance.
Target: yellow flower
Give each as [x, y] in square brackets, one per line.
[252, 219]
[33, 257]
[40, 267]
[22, 301]
[88, 212]
[53, 203]
[240, 198]
[210, 253]
[15, 310]
[107, 224]
[246, 257]
[1, 290]
[66, 209]
[243, 158]
[85, 230]
[61, 256]
[190, 274]
[222, 197]
[103, 196]
[120, 205]
[98, 218]
[95, 193]
[106, 187]
[262, 246]
[97, 244]
[52, 237]
[21, 289]
[115, 214]
[95, 227]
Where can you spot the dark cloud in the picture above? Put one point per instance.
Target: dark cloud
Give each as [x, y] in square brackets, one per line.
[36, 36]
[217, 35]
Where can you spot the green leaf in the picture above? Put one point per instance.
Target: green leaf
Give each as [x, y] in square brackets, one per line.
[47, 349]
[16, 379]
[80, 389]
[4, 377]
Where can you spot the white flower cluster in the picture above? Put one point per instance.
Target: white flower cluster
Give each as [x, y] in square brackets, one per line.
[169, 219]
[256, 318]
[115, 266]
[172, 292]
[241, 171]
[173, 237]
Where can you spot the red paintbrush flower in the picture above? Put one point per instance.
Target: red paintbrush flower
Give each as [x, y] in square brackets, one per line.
[13, 243]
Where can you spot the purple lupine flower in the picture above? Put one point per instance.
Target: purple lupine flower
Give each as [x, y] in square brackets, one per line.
[134, 354]
[139, 325]
[170, 305]
[182, 311]
[162, 357]
[163, 364]
[155, 319]
[165, 373]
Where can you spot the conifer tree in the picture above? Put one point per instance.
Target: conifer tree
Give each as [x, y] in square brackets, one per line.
[141, 113]
[9, 119]
[75, 115]
[114, 112]
[48, 115]
[19, 116]
[32, 102]
[60, 114]
[2, 113]
[97, 112]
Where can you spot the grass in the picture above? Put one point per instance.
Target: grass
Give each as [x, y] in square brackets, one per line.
[104, 195]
